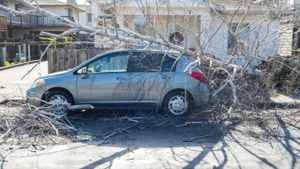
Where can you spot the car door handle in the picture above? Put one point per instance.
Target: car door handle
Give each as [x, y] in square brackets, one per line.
[165, 76]
[120, 78]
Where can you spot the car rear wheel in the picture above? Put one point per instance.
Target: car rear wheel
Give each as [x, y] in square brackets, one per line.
[177, 103]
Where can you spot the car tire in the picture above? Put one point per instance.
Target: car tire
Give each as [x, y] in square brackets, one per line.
[51, 95]
[177, 103]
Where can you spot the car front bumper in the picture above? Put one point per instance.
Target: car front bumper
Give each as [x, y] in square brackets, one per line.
[34, 95]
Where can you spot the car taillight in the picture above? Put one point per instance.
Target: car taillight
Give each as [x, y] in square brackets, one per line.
[199, 76]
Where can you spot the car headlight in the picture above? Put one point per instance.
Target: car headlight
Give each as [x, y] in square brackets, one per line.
[39, 82]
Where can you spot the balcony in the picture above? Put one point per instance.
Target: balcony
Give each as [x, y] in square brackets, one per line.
[31, 20]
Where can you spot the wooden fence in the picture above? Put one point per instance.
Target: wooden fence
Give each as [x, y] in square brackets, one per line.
[15, 52]
[62, 59]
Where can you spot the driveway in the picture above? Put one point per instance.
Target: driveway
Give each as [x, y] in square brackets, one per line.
[11, 84]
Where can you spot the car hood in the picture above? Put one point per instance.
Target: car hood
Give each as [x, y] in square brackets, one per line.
[56, 74]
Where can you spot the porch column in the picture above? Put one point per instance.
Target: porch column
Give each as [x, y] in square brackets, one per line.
[20, 51]
[24, 51]
[29, 54]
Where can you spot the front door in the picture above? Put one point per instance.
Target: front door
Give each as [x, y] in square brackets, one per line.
[106, 80]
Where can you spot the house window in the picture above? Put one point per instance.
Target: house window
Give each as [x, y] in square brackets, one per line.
[3, 2]
[17, 7]
[241, 32]
[89, 16]
[139, 23]
[105, 21]
[2, 35]
[296, 38]
[70, 12]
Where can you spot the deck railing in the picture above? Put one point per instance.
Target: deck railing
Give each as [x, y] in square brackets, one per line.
[31, 20]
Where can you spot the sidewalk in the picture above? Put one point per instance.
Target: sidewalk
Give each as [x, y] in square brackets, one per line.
[18, 64]
[11, 84]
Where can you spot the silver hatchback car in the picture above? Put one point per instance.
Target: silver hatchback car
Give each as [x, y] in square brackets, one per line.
[127, 79]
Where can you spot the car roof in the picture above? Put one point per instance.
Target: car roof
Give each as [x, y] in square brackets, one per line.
[145, 50]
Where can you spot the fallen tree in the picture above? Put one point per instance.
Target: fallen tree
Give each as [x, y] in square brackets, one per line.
[28, 123]
[279, 74]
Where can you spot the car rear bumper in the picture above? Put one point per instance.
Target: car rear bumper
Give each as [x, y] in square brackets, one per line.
[201, 99]
[200, 96]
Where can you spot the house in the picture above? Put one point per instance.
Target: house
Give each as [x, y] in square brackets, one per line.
[85, 16]
[64, 8]
[21, 32]
[262, 34]
[33, 24]
[296, 28]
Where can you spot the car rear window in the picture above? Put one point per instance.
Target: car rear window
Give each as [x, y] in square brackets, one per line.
[150, 62]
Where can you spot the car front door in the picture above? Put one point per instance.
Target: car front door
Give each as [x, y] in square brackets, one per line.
[106, 80]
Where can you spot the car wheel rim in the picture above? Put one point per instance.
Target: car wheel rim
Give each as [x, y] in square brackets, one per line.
[58, 99]
[178, 105]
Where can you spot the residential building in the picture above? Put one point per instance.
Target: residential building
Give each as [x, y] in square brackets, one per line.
[262, 34]
[296, 30]
[85, 16]
[21, 32]
[18, 25]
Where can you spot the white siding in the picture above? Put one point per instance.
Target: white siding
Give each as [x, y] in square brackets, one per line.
[214, 32]
[62, 11]
[262, 40]
[216, 38]
[58, 10]
[285, 39]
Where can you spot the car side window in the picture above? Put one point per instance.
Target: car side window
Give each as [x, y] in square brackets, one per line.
[144, 62]
[168, 65]
[116, 62]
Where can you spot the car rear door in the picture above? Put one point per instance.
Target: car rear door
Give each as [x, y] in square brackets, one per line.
[148, 76]
[106, 80]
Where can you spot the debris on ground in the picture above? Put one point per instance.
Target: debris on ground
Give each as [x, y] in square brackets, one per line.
[282, 72]
[29, 123]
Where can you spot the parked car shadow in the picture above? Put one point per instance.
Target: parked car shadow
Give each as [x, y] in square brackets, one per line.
[148, 129]
[135, 130]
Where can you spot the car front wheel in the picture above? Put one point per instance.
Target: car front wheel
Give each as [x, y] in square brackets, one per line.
[58, 97]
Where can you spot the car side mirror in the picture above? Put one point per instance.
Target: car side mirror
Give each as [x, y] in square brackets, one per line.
[83, 72]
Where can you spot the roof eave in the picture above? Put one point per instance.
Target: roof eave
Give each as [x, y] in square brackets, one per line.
[67, 5]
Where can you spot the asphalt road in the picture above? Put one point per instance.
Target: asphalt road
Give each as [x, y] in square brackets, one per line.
[11, 84]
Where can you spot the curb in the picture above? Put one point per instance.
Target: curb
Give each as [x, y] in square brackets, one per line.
[19, 64]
